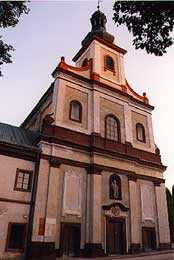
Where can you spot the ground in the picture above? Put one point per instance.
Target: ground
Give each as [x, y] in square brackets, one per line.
[168, 255]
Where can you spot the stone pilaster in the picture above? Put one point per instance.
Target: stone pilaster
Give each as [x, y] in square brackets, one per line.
[135, 216]
[52, 202]
[93, 247]
[128, 123]
[161, 202]
[96, 112]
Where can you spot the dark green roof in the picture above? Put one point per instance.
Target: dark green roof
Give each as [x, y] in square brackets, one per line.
[18, 136]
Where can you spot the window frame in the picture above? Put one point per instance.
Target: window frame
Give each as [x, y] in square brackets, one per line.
[143, 140]
[80, 111]
[30, 173]
[118, 128]
[9, 228]
[105, 64]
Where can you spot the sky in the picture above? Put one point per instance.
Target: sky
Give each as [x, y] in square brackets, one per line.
[56, 28]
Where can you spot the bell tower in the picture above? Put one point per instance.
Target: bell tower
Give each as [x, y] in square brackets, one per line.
[107, 58]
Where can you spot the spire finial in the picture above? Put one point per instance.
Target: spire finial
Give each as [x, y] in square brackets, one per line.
[98, 6]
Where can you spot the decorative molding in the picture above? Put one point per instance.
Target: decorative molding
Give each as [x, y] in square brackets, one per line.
[19, 152]
[132, 178]
[96, 143]
[105, 86]
[97, 169]
[115, 204]
[72, 189]
[110, 45]
[2, 211]
[94, 169]
[54, 162]
[15, 201]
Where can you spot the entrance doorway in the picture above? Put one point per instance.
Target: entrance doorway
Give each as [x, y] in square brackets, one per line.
[70, 239]
[16, 237]
[149, 239]
[115, 236]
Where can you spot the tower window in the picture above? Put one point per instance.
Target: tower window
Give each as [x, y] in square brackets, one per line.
[109, 63]
[140, 131]
[112, 128]
[75, 111]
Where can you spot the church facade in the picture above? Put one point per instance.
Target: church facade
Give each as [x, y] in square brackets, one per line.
[82, 175]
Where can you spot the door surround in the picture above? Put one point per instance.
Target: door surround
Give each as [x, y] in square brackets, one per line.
[7, 246]
[151, 229]
[122, 220]
[68, 224]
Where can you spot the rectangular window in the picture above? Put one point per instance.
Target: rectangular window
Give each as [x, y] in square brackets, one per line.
[23, 181]
[16, 237]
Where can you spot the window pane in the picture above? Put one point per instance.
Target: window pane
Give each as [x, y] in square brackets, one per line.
[20, 179]
[20, 174]
[109, 63]
[111, 128]
[140, 133]
[26, 175]
[26, 181]
[25, 186]
[19, 185]
[75, 111]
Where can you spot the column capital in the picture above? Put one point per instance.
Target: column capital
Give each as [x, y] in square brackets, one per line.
[132, 178]
[54, 162]
[94, 169]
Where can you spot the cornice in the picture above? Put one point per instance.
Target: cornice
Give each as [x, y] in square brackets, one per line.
[102, 41]
[96, 143]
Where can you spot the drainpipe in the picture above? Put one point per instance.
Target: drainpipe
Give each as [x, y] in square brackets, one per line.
[32, 207]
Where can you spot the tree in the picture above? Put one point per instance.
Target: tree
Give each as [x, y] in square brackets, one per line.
[10, 12]
[170, 212]
[150, 22]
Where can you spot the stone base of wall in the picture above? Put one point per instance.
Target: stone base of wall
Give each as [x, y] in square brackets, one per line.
[93, 250]
[39, 250]
[135, 248]
[165, 246]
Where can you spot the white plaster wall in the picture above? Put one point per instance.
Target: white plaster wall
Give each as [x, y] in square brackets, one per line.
[12, 212]
[9, 166]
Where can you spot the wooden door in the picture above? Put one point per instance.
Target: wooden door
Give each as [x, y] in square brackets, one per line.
[70, 240]
[115, 238]
[149, 239]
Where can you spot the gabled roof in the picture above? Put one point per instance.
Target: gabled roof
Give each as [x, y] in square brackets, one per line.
[14, 135]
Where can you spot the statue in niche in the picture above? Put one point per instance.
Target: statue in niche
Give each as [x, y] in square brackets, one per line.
[115, 187]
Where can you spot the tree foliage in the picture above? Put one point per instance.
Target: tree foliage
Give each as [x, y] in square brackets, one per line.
[170, 212]
[10, 12]
[150, 22]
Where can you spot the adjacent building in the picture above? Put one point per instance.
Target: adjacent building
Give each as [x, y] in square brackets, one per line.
[82, 175]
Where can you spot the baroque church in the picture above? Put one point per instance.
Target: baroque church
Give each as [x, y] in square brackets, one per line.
[82, 175]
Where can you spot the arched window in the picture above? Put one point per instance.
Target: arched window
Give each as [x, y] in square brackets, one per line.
[112, 128]
[85, 63]
[115, 187]
[109, 63]
[140, 131]
[75, 113]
